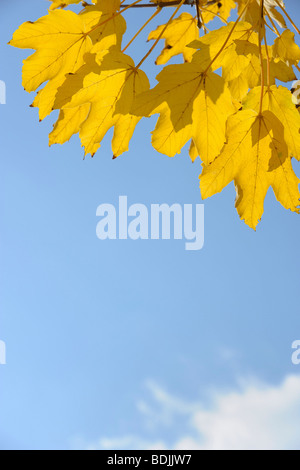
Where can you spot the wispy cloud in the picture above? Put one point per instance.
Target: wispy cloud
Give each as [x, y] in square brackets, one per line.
[254, 417]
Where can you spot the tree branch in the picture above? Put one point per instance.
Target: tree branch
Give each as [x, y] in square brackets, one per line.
[163, 4]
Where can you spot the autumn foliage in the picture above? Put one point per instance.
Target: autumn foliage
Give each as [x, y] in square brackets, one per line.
[225, 96]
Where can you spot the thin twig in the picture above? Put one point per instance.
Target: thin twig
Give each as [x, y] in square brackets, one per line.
[288, 16]
[272, 23]
[142, 28]
[173, 3]
[199, 22]
[163, 4]
[268, 60]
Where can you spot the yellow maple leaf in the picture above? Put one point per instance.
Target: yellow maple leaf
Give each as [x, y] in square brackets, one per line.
[68, 124]
[250, 74]
[286, 49]
[61, 40]
[239, 58]
[191, 106]
[279, 101]
[108, 83]
[255, 157]
[178, 34]
[212, 48]
[251, 11]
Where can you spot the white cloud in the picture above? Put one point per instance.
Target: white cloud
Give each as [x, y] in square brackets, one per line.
[255, 417]
[166, 409]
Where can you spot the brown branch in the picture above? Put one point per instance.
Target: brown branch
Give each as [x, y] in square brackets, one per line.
[163, 4]
[199, 22]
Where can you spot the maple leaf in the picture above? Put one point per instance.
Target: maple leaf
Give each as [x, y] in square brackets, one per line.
[192, 105]
[250, 76]
[286, 49]
[178, 34]
[68, 124]
[251, 11]
[256, 157]
[105, 88]
[240, 58]
[233, 58]
[61, 40]
[278, 101]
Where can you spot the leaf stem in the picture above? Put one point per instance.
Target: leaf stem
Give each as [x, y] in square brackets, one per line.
[272, 23]
[142, 28]
[268, 60]
[163, 4]
[288, 16]
[261, 36]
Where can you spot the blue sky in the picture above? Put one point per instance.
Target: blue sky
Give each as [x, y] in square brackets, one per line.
[123, 343]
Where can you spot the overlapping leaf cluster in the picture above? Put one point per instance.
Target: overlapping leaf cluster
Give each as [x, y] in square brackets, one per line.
[224, 98]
